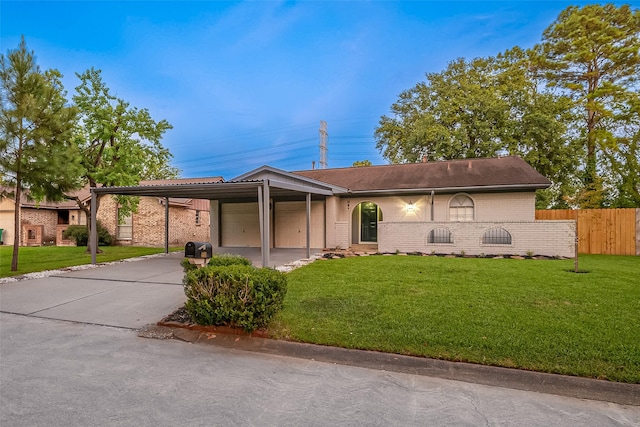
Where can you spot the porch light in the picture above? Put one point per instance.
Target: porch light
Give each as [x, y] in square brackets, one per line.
[410, 206]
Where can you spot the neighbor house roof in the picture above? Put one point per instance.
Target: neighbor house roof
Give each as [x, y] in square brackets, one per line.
[85, 193]
[485, 174]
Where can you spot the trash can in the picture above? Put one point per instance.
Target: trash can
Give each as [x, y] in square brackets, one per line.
[198, 250]
[1, 242]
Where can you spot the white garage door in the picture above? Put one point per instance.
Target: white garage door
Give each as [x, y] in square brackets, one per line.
[240, 225]
[290, 224]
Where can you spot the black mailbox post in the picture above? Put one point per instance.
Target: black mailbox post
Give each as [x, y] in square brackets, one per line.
[198, 250]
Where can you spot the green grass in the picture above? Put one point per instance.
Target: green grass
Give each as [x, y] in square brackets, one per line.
[526, 314]
[32, 259]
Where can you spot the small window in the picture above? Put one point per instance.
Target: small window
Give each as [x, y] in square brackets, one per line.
[440, 235]
[461, 209]
[496, 236]
[197, 217]
[125, 227]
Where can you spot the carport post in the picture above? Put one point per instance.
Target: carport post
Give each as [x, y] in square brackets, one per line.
[260, 221]
[166, 225]
[308, 225]
[93, 230]
[265, 224]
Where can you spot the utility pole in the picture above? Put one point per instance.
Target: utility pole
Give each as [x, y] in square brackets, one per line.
[323, 144]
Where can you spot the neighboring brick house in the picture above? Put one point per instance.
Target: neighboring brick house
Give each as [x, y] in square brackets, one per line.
[471, 206]
[43, 223]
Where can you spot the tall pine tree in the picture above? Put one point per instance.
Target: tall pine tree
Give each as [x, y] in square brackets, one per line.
[592, 54]
[37, 158]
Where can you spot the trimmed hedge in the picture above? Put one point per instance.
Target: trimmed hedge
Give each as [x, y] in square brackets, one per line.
[223, 260]
[237, 295]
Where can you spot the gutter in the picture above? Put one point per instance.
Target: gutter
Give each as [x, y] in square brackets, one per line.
[452, 189]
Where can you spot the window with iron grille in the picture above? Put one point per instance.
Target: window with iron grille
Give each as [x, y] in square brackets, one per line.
[496, 236]
[440, 235]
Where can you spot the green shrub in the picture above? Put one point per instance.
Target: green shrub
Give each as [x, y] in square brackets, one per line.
[80, 234]
[237, 295]
[187, 266]
[223, 260]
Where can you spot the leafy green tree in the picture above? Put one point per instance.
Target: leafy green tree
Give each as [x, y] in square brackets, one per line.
[120, 145]
[592, 54]
[456, 113]
[37, 158]
[482, 108]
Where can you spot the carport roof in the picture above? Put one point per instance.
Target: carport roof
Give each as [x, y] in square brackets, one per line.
[281, 184]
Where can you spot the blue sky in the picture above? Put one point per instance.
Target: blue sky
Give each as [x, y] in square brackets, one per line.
[247, 83]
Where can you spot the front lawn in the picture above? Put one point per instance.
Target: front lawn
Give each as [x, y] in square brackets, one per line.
[527, 314]
[32, 259]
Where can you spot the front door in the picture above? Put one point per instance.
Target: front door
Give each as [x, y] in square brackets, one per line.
[368, 222]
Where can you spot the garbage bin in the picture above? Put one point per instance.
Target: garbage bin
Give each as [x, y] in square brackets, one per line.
[198, 250]
[1, 230]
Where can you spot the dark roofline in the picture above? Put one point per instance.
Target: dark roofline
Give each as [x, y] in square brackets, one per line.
[510, 173]
[446, 190]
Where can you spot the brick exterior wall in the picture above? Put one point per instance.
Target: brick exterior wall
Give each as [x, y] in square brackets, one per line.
[46, 217]
[341, 233]
[404, 230]
[550, 238]
[514, 206]
[148, 224]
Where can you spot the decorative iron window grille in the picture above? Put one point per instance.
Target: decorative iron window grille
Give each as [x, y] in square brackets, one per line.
[496, 236]
[440, 235]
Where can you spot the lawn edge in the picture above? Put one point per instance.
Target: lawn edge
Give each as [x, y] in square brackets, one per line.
[511, 378]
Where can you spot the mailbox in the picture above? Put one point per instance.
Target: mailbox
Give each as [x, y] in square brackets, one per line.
[198, 250]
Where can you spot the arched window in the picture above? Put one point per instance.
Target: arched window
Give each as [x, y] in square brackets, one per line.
[461, 209]
[440, 235]
[496, 236]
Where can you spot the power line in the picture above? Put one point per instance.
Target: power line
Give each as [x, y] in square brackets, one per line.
[277, 149]
[281, 147]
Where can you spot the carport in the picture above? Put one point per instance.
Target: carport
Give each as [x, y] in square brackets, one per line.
[263, 184]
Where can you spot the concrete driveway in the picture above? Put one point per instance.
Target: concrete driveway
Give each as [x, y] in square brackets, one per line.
[125, 294]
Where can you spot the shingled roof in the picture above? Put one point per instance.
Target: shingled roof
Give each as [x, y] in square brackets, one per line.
[485, 174]
[84, 193]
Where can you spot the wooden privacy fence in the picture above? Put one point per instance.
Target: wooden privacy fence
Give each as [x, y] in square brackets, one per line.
[602, 231]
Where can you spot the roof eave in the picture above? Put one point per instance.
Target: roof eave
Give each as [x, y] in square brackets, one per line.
[473, 189]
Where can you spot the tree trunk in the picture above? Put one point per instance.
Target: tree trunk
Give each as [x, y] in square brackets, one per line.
[16, 226]
[89, 219]
[87, 211]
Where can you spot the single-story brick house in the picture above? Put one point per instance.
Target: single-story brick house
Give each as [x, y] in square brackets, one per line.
[471, 206]
[43, 223]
